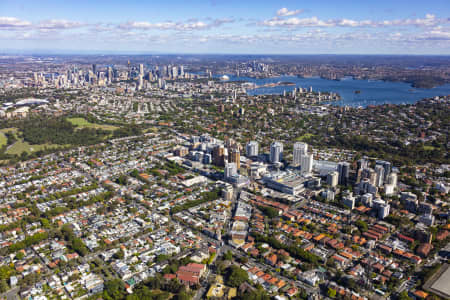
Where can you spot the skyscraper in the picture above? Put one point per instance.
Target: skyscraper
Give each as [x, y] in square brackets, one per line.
[235, 157]
[333, 179]
[343, 169]
[218, 155]
[387, 167]
[230, 170]
[94, 69]
[379, 170]
[252, 149]
[300, 149]
[276, 152]
[306, 163]
[141, 69]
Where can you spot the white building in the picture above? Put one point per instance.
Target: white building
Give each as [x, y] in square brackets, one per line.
[276, 152]
[300, 149]
[332, 178]
[306, 163]
[252, 149]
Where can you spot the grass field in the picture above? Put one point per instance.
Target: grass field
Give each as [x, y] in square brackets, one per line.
[83, 123]
[428, 148]
[3, 139]
[21, 146]
[151, 129]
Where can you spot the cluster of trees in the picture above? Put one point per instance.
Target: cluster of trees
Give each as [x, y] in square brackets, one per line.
[292, 249]
[269, 211]
[73, 242]
[170, 166]
[235, 276]
[43, 130]
[128, 130]
[28, 241]
[155, 288]
[204, 197]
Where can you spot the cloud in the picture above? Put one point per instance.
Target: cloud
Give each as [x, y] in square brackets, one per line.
[177, 26]
[59, 24]
[428, 21]
[284, 12]
[12, 23]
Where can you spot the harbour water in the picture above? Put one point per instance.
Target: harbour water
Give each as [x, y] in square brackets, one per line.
[371, 92]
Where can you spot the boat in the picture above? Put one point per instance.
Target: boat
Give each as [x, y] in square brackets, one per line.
[357, 92]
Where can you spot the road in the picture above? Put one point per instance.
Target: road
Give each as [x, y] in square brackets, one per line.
[12, 294]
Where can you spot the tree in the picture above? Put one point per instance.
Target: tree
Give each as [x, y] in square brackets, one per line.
[228, 255]
[331, 293]
[236, 276]
[114, 289]
[404, 296]
[119, 254]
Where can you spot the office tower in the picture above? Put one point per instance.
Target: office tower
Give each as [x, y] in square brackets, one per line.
[299, 150]
[306, 163]
[381, 207]
[141, 69]
[230, 170]
[379, 171]
[182, 71]
[110, 74]
[333, 179]
[343, 169]
[276, 152]
[383, 211]
[387, 167]
[366, 199]
[94, 69]
[218, 155]
[252, 149]
[362, 163]
[174, 72]
[392, 179]
[349, 201]
[235, 157]
[141, 82]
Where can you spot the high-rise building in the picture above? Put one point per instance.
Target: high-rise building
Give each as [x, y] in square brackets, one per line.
[343, 169]
[379, 170]
[392, 179]
[333, 179]
[252, 149]
[382, 208]
[306, 163]
[174, 72]
[141, 69]
[276, 152]
[235, 157]
[349, 201]
[218, 155]
[387, 167]
[182, 71]
[230, 170]
[299, 150]
[94, 69]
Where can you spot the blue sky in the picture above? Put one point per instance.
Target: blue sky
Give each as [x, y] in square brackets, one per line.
[213, 26]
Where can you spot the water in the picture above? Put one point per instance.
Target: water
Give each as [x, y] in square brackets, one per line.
[373, 92]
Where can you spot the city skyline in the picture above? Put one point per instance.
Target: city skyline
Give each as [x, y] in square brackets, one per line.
[285, 27]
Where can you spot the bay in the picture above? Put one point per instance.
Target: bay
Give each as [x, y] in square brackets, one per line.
[372, 92]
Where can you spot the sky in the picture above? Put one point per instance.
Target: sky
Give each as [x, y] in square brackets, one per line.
[228, 27]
